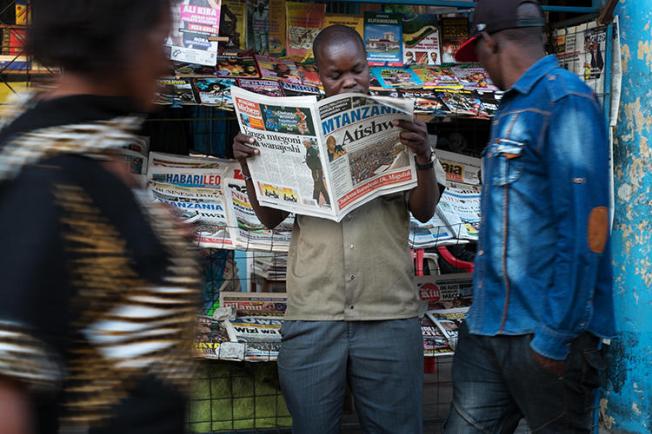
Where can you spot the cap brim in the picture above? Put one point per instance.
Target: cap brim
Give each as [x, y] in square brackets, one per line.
[466, 52]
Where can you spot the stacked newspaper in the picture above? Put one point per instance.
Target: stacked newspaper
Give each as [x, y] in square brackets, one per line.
[194, 186]
[255, 304]
[206, 192]
[449, 321]
[213, 341]
[435, 343]
[457, 218]
[445, 291]
[261, 337]
[326, 158]
[271, 267]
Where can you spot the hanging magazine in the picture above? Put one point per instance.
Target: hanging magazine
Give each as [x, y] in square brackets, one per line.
[396, 77]
[325, 158]
[304, 22]
[383, 37]
[196, 26]
[454, 31]
[421, 44]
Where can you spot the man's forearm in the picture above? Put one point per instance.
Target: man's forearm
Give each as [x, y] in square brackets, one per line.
[425, 196]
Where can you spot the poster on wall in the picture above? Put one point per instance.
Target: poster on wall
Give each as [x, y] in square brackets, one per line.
[196, 24]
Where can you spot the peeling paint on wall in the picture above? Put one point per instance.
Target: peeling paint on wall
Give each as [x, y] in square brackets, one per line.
[627, 405]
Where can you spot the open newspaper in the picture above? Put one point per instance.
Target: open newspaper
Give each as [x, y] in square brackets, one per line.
[325, 158]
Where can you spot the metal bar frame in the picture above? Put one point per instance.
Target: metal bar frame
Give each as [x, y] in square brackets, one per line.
[594, 8]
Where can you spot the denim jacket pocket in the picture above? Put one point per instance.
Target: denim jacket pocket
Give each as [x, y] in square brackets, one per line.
[506, 161]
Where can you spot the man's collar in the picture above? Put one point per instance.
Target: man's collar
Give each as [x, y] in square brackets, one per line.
[535, 73]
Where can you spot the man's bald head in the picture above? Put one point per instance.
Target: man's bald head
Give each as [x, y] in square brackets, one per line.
[335, 35]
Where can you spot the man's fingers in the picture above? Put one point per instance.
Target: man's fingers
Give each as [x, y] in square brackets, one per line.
[415, 126]
[411, 137]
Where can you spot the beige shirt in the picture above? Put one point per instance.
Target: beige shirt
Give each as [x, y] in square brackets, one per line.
[358, 269]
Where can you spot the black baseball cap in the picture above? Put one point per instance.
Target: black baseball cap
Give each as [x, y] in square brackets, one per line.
[493, 16]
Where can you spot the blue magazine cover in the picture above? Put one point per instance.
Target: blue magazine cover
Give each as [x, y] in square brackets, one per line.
[396, 77]
[383, 37]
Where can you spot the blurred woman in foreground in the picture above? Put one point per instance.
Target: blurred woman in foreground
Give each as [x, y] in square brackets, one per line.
[97, 286]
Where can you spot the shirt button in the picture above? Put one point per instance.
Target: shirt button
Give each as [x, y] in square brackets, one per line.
[352, 277]
[351, 307]
[351, 246]
[481, 252]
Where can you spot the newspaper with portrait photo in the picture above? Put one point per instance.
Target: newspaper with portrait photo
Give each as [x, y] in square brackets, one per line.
[326, 158]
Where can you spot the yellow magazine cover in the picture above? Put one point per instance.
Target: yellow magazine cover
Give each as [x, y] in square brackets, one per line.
[277, 27]
[22, 13]
[355, 22]
[304, 22]
[233, 23]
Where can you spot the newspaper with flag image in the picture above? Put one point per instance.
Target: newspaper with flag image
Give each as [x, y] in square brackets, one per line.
[326, 158]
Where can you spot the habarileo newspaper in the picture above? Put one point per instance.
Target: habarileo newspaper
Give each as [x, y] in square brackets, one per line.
[325, 158]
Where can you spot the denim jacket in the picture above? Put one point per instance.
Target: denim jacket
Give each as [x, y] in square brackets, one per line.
[544, 265]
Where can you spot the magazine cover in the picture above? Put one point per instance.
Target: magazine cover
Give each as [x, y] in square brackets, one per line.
[175, 91]
[237, 66]
[433, 233]
[425, 101]
[421, 44]
[383, 37]
[353, 21]
[454, 31]
[489, 104]
[474, 77]
[447, 291]
[292, 89]
[233, 23]
[258, 26]
[262, 87]
[215, 91]
[277, 27]
[196, 23]
[304, 22]
[325, 158]
[435, 343]
[582, 50]
[396, 77]
[437, 77]
[273, 68]
[309, 74]
[460, 102]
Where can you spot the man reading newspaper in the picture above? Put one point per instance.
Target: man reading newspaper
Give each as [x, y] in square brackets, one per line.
[352, 305]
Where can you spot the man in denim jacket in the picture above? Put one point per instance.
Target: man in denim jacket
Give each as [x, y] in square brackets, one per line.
[543, 283]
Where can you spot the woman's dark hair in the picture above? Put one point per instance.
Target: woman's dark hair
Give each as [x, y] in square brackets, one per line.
[89, 36]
